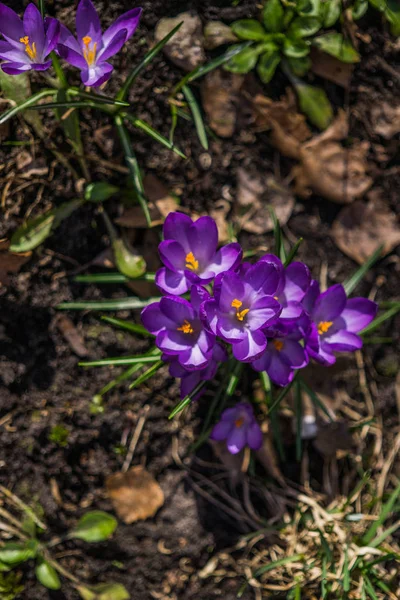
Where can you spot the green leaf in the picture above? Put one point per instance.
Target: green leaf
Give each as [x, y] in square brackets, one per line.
[379, 4]
[273, 15]
[111, 278]
[292, 254]
[104, 591]
[128, 326]
[197, 116]
[123, 92]
[308, 8]
[8, 114]
[69, 122]
[351, 283]
[377, 322]
[359, 9]
[299, 66]
[243, 62]
[121, 360]
[330, 12]
[47, 575]
[248, 29]
[14, 553]
[278, 563]
[18, 89]
[296, 48]
[94, 526]
[268, 63]
[131, 265]
[187, 400]
[334, 44]
[153, 133]
[117, 304]
[147, 374]
[304, 27]
[100, 191]
[392, 13]
[314, 103]
[34, 231]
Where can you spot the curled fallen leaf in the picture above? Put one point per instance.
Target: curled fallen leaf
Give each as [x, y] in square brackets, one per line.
[385, 119]
[71, 335]
[255, 195]
[217, 33]
[10, 263]
[135, 495]
[331, 68]
[186, 48]
[360, 228]
[220, 95]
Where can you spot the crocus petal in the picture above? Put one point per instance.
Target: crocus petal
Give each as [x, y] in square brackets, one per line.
[154, 320]
[209, 315]
[359, 313]
[311, 296]
[41, 66]
[330, 304]
[251, 347]
[205, 341]
[323, 356]
[127, 22]
[88, 22]
[172, 255]
[13, 68]
[294, 354]
[198, 295]
[9, 52]
[343, 341]
[52, 34]
[97, 74]
[175, 368]
[236, 440]
[172, 342]
[262, 363]
[203, 239]
[279, 371]
[170, 282]
[177, 309]
[254, 436]
[67, 39]
[11, 26]
[113, 47]
[72, 57]
[34, 28]
[263, 275]
[262, 312]
[230, 329]
[292, 311]
[176, 227]
[222, 430]
[225, 259]
[193, 358]
[297, 281]
[189, 382]
[231, 288]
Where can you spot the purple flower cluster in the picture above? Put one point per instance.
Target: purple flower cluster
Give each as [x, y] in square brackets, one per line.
[273, 317]
[29, 42]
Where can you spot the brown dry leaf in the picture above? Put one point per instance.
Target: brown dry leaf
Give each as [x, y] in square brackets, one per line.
[331, 68]
[135, 495]
[385, 119]
[219, 213]
[288, 127]
[220, 96]
[360, 228]
[255, 194]
[217, 33]
[10, 263]
[71, 335]
[161, 203]
[186, 48]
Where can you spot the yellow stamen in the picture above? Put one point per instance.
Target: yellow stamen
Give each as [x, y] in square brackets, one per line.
[29, 49]
[240, 314]
[191, 262]
[324, 326]
[239, 422]
[278, 344]
[186, 327]
[89, 54]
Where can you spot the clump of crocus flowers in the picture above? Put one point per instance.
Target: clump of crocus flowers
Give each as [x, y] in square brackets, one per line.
[268, 315]
[29, 42]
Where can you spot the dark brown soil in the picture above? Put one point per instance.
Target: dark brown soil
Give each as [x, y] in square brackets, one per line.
[41, 384]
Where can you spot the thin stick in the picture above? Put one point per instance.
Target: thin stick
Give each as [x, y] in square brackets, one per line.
[135, 438]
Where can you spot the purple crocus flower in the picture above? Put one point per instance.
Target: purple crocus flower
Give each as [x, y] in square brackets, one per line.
[238, 426]
[335, 322]
[282, 356]
[190, 379]
[91, 51]
[293, 285]
[28, 42]
[189, 253]
[243, 305]
[178, 329]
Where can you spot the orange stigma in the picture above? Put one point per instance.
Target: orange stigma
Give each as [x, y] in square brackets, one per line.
[240, 314]
[323, 326]
[186, 327]
[89, 54]
[30, 49]
[191, 262]
[239, 422]
[278, 344]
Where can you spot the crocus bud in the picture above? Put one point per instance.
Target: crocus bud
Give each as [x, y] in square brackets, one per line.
[129, 264]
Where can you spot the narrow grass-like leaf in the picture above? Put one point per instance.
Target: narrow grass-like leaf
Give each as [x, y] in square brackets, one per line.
[147, 374]
[370, 588]
[29, 103]
[382, 537]
[389, 314]
[346, 572]
[298, 416]
[187, 400]
[143, 126]
[174, 120]
[197, 116]
[123, 92]
[111, 278]
[292, 254]
[316, 401]
[101, 99]
[273, 415]
[128, 326]
[325, 546]
[72, 104]
[281, 396]
[386, 510]
[41, 7]
[134, 170]
[324, 590]
[278, 563]
[121, 360]
[127, 374]
[118, 304]
[351, 283]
